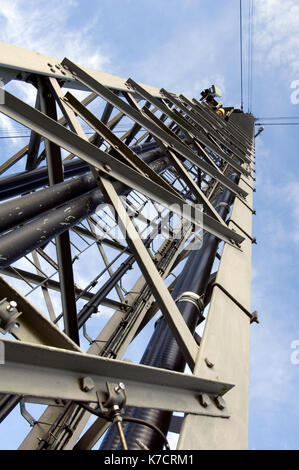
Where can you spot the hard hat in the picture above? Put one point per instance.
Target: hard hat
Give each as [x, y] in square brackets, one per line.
[220, 112]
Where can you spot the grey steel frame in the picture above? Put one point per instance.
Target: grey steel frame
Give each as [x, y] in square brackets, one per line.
[192, 155]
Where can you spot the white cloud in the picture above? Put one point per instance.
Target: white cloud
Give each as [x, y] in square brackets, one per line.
[45, 28]
[276, 35]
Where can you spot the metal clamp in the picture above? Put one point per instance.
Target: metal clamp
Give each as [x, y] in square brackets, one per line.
[116, 398]
[113, 405]
[8, 315]
[222, 204]
[193, 298]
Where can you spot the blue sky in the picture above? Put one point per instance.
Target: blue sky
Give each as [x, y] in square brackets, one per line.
[184, 46]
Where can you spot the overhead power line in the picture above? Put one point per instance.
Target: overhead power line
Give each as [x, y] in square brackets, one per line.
[277, 117]
[250, 55]
[277, 123]
[241, 53]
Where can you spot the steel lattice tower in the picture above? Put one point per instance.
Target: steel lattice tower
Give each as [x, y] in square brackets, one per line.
[101, 244]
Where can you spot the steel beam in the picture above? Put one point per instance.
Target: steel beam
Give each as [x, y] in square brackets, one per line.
[167, 305]
[53, 131]
[182, 122]
[63, 248]
[137, 116]
[34, 143]
[127, 155]
[55, 373]
[225, 343]
[22, 63]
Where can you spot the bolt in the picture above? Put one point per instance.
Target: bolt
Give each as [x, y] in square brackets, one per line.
[204, 400]
[12, 305]
[220, 403]
[107, 168]
[120, 387]
[209, 363]
[87, 384]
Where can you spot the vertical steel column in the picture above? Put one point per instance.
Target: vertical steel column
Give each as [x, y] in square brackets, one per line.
[163, 351]
[64, 256]
[225, 342]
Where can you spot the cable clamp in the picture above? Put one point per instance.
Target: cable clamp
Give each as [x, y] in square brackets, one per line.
[193, 298]
[115, 400]
[222, 204]
[8, 315]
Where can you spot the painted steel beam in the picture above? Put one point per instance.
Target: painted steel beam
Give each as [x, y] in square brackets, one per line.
[34, 327]
[183, 123]
[226, 344]
[173, 316]
[53, 131]
[34, 143]
[63, 247]
[21, 63]
[222, 130]
[198, 120]
[55, 373]
[138, 117]
[128, 156]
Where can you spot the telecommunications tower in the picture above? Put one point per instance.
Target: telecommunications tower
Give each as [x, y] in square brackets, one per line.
[126, 225]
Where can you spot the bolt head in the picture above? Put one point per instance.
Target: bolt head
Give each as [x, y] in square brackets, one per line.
[204, 400]
[209, 363]
[220, 403]
[11, 306]
[120, 386]
[87, 384]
